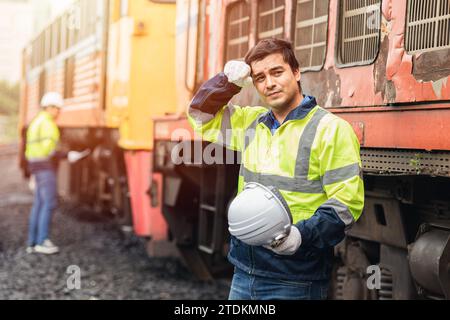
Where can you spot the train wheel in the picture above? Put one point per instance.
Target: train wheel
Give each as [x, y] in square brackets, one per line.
[349, 277]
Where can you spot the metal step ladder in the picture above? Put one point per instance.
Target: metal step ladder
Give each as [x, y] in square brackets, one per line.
[212, 206]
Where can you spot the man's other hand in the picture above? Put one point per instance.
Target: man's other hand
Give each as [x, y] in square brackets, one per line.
[290, 244]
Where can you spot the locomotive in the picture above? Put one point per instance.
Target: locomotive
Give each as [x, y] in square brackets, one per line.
[112, 61]
[129, 69]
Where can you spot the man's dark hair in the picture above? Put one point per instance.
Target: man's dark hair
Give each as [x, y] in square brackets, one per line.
[266, 47]
[269, 46]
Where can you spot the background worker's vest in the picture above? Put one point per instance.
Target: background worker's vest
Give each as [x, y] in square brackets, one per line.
[42, 138]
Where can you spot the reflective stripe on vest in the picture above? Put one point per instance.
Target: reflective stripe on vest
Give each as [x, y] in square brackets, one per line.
[341, 210]
[225, 136]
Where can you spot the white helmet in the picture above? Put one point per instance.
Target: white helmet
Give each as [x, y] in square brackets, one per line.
[52, 99]
[259, 215]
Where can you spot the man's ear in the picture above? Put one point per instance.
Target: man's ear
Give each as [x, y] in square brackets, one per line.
[297, 75]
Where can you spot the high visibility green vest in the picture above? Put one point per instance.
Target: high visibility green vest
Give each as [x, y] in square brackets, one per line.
[42, 138]
[313, 161]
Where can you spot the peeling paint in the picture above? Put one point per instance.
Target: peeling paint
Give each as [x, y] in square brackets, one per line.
[324, 85]
[432, 66]
[351, 92]
[386, 28]
[437, 86]
[395, 56]
[390, 92]
[329, 101]
[380, 69]
[389, 80]
[446, 90]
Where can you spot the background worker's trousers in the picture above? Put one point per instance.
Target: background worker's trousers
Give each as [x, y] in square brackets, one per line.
[45, 201]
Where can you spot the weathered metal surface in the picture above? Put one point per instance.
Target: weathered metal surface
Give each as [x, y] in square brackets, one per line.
[396, 282]
[433, 66]
[406, 162]
[391, 78]
[174, 129]
[429, 260]
[381, 222]
[404, 128]
[351, 277]
[147, 220]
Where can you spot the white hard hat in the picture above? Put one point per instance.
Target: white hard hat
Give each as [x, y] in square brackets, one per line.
[52, 99]
[259, 215]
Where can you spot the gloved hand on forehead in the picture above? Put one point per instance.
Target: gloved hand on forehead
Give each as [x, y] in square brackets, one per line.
[238, 72]
[289, 245]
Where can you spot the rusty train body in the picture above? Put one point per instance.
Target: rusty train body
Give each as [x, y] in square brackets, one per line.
[382, 65]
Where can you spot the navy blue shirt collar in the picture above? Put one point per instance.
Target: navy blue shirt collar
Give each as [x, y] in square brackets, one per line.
[299, 112]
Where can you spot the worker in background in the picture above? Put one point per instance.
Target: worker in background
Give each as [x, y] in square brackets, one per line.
[41, 152]
[309, 155]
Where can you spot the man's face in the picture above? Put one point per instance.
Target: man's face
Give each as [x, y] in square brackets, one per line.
[54, 112]
[275, 81]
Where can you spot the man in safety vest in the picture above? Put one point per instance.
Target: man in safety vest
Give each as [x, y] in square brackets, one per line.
[41, 152]
[308, 154]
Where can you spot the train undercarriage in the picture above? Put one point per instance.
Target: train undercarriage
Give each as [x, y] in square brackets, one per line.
[99, 181]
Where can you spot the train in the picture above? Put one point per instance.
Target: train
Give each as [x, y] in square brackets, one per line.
[112, 61]
[381, 65]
